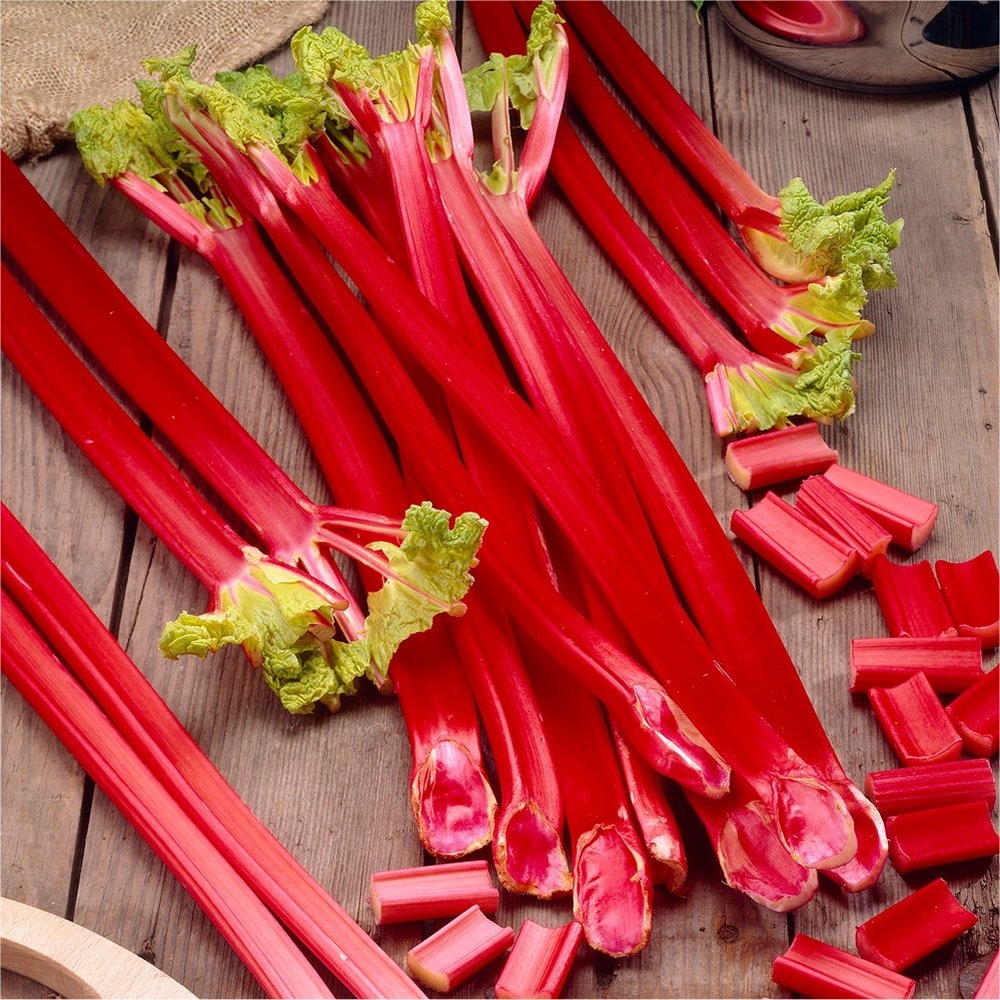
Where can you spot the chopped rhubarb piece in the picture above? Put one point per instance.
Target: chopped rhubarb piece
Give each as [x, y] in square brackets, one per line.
[819, 499]
[924, 786]
[975, 714]
[432, 891]
[990, 985]
[972, 592]
[909, 518]
[452, 954]
[914, 721]
[796, 546]
[813, 968]
[950, 663]
[907, 931]
[941, 835]
[779, 456]
[539, 961]
[910, 599]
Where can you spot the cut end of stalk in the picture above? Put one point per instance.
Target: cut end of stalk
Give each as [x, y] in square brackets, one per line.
[865, 868]
[453, 803]
[529, 854]
[814, 823]
[672, 745]
[755, 862]
[612, 893]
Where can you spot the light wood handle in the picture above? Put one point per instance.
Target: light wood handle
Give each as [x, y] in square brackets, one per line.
[73, 961]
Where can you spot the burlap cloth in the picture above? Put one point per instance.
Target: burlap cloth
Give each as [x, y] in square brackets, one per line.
[58, 56]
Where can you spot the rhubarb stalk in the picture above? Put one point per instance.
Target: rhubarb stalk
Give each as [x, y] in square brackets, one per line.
[123, 692]
[263, 946]
[451, 798]
[790, 235]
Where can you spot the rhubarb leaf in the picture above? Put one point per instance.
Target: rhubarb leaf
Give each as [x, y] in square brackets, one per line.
[284, 624]
[428, 574]
[847, 233]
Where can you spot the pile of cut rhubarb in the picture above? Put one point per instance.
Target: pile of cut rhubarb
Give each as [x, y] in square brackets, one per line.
[462, 403]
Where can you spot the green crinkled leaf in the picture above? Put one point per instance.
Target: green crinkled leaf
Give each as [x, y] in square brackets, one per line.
[285, 626]
[485, 84]
[826, 383]
[849, 233]
[434, 560]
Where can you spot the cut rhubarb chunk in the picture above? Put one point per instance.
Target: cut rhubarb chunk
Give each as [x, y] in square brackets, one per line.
[910, 599]
[813, 968]
[950, 663]
[432, 891]
[941, 835]
[796, 546]
[924, 786]
[975, 714]
[827, 504]
[452, 954]
[910, 519]
[780, 456]
[540, 961]
[907, 931]
[972, 592]
[914, 721]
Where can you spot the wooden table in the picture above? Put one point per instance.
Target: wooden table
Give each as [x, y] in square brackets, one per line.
[334, 788]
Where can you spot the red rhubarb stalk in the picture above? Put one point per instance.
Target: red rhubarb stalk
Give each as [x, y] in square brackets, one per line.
[975, 713]
[638, 700]
[950, 663]
[452, 801]
[777, 321]
[789, 235]
[612, 885]
[910, 599]
[115, 682]
[907, 789]
[466, 944]
[746, 391]
[909, 519]
[780, 456]
[971, 590]
[235, 574]
[923, 921]
[813, 968]
[914, 721]
[654, 816]
[264, 947]
[726, 596]
[539, 961]
[389, 101]
[941, 835]
[252, 585]
[800, 549]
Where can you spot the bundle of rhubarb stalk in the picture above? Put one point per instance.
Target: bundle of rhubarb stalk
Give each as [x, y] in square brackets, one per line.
[504, 540]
